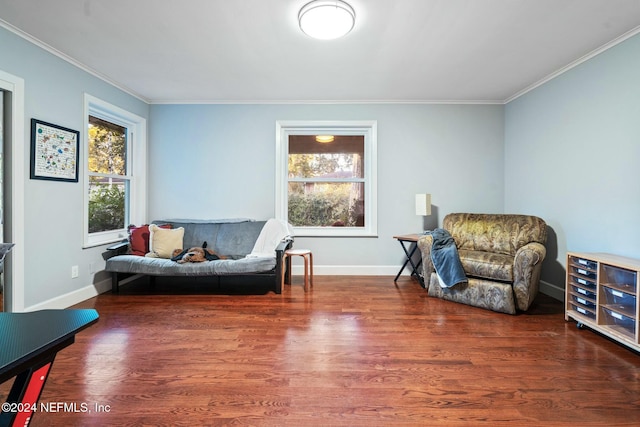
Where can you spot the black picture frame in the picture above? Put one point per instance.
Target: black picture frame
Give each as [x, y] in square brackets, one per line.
[55, 152]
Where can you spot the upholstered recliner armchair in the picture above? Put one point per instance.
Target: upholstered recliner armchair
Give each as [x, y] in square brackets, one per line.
[501, 256]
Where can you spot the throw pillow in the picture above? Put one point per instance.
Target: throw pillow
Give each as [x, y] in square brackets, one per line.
[163, 241]
[139, 239]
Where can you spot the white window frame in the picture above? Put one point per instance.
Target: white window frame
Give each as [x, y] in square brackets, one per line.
[136, 167]
[366, 128]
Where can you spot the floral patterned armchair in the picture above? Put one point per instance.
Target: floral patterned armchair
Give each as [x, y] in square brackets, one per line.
[501, 255]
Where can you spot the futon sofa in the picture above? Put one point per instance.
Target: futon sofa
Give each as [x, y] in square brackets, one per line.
[245, 248]
[501, 256]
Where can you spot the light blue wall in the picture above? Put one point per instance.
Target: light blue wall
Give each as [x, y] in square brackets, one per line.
[217, 161]
[53, 210]
[567, 151]
[572, 156]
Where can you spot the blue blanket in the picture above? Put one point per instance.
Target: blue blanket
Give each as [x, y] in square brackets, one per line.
[445, 258]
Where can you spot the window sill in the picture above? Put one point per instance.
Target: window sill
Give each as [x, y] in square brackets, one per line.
[333, 232]
[105, 238]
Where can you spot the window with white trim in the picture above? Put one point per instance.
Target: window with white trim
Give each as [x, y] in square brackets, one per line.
[114, 164]
[326, 177]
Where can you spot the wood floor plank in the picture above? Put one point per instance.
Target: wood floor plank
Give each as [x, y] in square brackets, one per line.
[353, 351]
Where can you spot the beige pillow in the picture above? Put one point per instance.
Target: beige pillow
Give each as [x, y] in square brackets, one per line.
[163, 241]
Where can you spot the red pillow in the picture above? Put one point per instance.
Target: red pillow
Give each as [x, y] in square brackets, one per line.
[139, 239]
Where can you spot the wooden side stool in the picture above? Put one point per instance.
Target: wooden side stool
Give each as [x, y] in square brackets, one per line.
[308, 265]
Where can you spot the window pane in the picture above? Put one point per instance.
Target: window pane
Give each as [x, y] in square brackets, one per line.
[326, 204]
[107, 147]
[108, 208]
[340, 158]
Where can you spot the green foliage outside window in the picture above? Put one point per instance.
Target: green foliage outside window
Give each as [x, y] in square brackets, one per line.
[106, 208]
[107, 167]
[319, 203]
[318, 210]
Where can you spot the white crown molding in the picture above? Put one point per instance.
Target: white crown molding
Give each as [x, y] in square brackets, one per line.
[575, 63]
[326, 102]
[69, 59]
[125, 89]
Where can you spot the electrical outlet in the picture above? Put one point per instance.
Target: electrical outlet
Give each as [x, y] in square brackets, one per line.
[74, 271]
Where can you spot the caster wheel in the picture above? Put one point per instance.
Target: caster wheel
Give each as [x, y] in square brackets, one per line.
[580, 325]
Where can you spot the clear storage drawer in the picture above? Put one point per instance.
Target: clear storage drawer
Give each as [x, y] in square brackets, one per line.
[584, 292]
[585, 283]
[621, 300]
[583, 311]
[619, 278]
[582, 302]
[587, 263]
[619, 322]
[583, 273]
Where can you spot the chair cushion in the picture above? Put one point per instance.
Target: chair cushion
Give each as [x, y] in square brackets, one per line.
[487, 265]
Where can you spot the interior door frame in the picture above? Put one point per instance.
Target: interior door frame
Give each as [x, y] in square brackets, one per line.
[14, 167]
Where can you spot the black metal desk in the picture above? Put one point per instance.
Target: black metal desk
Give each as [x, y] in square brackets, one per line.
[412, 239]
[30, 342]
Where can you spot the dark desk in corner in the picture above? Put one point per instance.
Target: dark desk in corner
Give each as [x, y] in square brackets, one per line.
[30, 342]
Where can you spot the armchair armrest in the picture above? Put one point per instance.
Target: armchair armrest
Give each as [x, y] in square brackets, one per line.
[424, 244]
[527, 265]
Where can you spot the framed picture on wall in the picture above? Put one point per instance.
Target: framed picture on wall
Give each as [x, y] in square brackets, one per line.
[54, 152]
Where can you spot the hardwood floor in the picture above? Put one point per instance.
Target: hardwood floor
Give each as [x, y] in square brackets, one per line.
[354, 351]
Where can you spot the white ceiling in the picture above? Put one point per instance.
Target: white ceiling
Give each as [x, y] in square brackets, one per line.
[253, 51]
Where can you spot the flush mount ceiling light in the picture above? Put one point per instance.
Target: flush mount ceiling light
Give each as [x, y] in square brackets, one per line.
[324, 138]
[326, 19]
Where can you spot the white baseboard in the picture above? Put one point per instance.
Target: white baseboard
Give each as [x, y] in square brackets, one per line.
[352, 270]
[75, 297]
[72, 298]
[546, 288]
